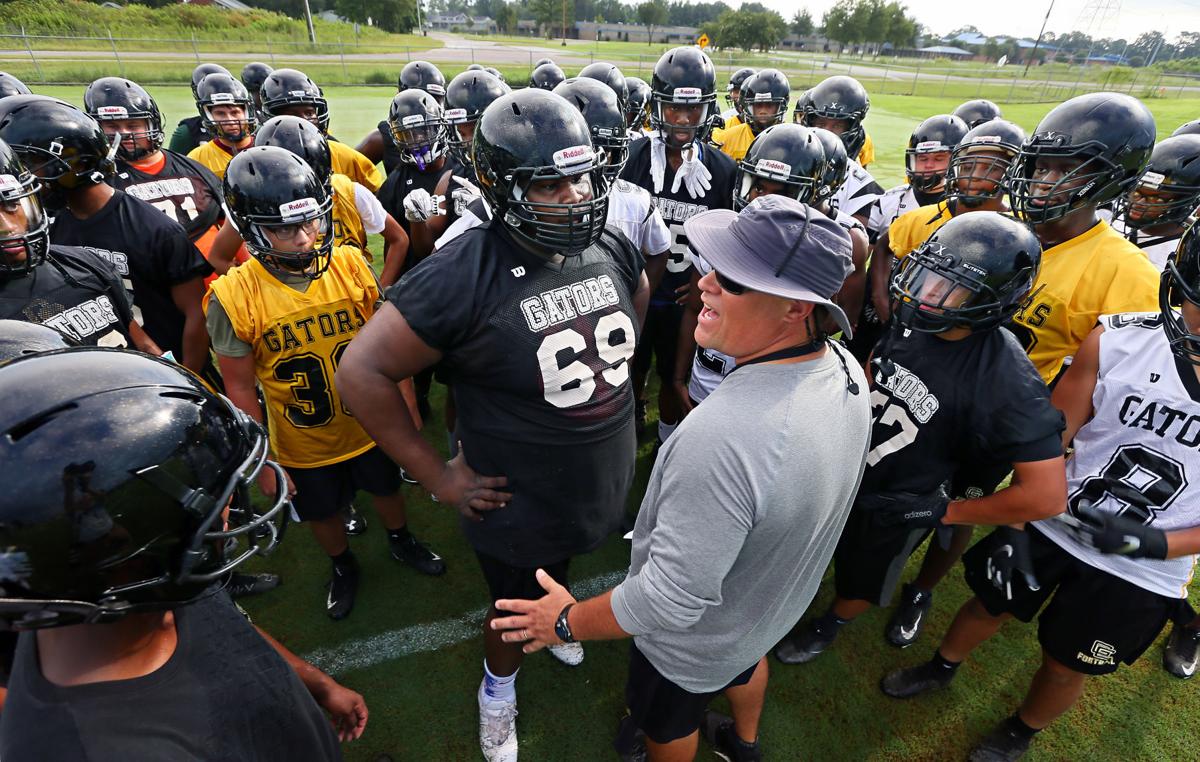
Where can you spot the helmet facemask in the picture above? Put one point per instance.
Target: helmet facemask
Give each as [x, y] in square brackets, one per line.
[1092, 180]
[420, 138]
[20, 206]
[460, 130]
[1181, 283]
[701, 109]
[1155, 201]
[232, 129]
[803, 189]
[308, 214]
[142, 142]
[926, 181]
[978, 173]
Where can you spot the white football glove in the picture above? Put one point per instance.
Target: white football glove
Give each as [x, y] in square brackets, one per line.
[419, 206]
[692, 174]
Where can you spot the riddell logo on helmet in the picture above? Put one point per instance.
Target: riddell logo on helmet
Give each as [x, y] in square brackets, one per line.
[221, 98]
[573, 156]
[435, 89]
[687, 94]
[1153, 179]
[412, 119]
[456, 114]
[299, 208]
[297, 93]
[8, 182]
[928, 146]
[773, 168]
[117, 112]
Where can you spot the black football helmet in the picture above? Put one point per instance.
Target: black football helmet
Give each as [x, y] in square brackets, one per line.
[637, 108]
[422, 75]
[541, 61]
[802, 102]
[1187, 128]
[1108, 135]
[844, 99]
[10, 85]
[610, 75]
[546, 76]
[474, 67]
[254, 74]
[271, 188]
[979, 165]
[494, 72]
[733, 90]
[973, 272]
[1168, 190]
[598, 104]
[287, 88]
[532, 135]
[60, 145]
[976, 112]
[19, 191]
[683, 76]
[418, 127]
[766, 86]
[223, 90]
[128, 487]
[115, 98]
[782, 153]
[837, 165]
[1181, 282]
[19, 338]
[937, 134]
[202, 71]
[302, 138]
[468, 94]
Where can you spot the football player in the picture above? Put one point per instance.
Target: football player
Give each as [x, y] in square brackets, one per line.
[1087, 151]
[1156, 212]
[764, 100]
[287, 92]
[283, 320]
[976, 112]
[637, 108]
[67, 288]
[253, 76]
[732, 116]
[684, 175]
[949, 388]
[840, 104]
[70, 154]
[1117, 559]
[378, 145]
[191, 131]
[229, 116]
[128, 500]
[533, 317]
[610, 75]
[546, 76]
[467, 95]
[177, 186]
[925, 163]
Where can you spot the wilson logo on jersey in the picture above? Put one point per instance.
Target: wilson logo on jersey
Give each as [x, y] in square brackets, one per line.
[304, 331]
[559, 305]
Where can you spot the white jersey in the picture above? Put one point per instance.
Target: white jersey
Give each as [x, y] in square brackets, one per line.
[858, 192]
[709, 366]
[1133, 455]
[1156, 248]
[893, 203]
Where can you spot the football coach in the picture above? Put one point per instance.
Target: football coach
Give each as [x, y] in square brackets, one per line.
[748, 497]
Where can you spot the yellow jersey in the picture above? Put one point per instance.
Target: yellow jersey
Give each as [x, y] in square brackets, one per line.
[735, 141]
[348, 229]
[214, 155]
[1096, 273]
[732, 122]
[914, 227]
[349, 162]
[866, 154]
[297, 339]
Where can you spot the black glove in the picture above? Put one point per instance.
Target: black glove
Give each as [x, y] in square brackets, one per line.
[1117, 535]
[912, 510]
[1011, 561]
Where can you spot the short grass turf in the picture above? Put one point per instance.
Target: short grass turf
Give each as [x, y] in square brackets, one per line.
[422, 701]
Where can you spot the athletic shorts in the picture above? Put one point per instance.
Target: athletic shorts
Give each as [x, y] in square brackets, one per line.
[660, 708]
[870, 557]
[507, 581]
[322, 491]
[660, 338]
[1093, 619]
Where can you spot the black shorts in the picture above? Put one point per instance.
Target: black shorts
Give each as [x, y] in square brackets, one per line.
[323, 491]
[659, 338]
[506, 581]
[1093, 619]
[870, 557]
[660, 708]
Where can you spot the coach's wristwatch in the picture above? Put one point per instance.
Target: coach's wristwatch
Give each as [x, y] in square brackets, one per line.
[561, 629]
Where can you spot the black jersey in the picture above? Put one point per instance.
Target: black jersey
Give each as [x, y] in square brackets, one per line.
[538, 357]
[406, 178]
[184, 190]
[75, 292]
[149, 252]
[391, 154]
[676, 208]
[223, 694]
[948, 403]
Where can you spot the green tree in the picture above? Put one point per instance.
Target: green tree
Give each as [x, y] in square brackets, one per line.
[842, 24]
[802, 23]
[506, 18]
[652, 13]
[388, 15]
[549, 13]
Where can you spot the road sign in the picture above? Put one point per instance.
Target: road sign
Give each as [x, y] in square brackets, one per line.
[703, 41]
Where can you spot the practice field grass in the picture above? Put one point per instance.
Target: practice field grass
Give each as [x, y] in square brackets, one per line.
[412, 648]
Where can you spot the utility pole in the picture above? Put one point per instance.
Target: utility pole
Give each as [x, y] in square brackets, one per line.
[1041, 33]
[420, 27]
[312, 32]
[564, 23]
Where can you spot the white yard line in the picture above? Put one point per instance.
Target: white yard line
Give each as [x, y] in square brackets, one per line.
[361, 653]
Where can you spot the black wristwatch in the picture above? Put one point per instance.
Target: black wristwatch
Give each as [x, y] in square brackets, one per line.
[561, 629]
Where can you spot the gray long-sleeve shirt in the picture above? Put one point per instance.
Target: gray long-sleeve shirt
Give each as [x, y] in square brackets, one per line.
[741, 516]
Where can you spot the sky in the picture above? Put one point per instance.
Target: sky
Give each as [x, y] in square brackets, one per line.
[1023, 18]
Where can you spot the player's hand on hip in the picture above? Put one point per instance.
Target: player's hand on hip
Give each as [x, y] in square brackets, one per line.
[473, 494]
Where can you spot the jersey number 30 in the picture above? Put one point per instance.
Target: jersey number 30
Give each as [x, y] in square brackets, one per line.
[575, 383]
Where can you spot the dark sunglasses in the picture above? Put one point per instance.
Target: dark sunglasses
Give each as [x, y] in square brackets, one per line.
[730, 286]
